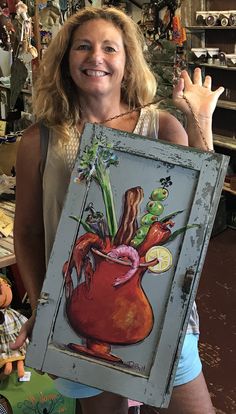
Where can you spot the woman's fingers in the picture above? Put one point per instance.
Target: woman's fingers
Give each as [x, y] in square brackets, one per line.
[197, 81]
[199, 93]
[24, 334]
[178, 89]
[219, 91]
[187, 80]
[207, 82]
[197, 77]
[20, 340]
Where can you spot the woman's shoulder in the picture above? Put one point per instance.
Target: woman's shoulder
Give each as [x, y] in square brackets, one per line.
[170, 129]
[29, 146]
[167, 116]
[32, 133]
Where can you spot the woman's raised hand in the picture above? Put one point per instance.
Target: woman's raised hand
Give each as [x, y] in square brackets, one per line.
[198, 93]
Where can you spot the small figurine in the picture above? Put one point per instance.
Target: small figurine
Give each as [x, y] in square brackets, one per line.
[23, 28]
[11, 322]
[50, 16]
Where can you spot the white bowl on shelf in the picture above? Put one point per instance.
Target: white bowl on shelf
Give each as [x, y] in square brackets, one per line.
[199, 52]
[230, 59]
[212, 51]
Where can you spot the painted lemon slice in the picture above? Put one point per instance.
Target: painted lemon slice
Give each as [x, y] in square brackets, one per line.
[164, 256]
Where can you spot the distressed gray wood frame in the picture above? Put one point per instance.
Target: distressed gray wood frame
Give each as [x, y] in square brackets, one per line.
[153, 386]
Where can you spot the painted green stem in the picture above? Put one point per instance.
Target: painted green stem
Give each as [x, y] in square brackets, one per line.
[104, 182]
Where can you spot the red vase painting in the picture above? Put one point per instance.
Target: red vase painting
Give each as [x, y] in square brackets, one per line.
[108, 306]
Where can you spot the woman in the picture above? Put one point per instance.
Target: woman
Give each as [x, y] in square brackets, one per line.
[95, 71]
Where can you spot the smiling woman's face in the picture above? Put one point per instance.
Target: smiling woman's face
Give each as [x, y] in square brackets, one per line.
[97, 58]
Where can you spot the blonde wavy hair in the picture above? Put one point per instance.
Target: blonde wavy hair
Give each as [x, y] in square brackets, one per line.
[55, 95]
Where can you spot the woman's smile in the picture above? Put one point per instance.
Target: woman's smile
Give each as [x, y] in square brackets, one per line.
[94, 73]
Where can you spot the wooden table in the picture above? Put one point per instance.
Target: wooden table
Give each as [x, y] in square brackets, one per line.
[7, 255]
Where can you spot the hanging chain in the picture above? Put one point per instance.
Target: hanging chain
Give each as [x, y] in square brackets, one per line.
[197, 123]
[137, 108]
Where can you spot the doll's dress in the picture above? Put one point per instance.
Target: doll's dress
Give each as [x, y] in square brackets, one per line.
[9, 330]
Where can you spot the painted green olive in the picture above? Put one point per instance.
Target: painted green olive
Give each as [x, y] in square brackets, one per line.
[159, 194]
[136, 242]
[155, 207]
[142, 232]
[148, 219]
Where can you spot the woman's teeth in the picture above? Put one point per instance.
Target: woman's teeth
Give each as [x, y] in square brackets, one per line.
[96, 73]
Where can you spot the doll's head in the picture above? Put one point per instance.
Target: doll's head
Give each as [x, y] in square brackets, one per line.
[21, 10]
[5, 293]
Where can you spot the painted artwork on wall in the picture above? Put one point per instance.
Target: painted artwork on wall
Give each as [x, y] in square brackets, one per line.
[126, 262]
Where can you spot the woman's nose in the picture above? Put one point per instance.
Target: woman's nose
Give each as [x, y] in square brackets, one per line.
[96, 56]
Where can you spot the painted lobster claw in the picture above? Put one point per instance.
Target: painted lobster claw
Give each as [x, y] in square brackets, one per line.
[81, 249]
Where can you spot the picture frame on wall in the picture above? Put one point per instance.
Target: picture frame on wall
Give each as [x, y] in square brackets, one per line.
[126, 263]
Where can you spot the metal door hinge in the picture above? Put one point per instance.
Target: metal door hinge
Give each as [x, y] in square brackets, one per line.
[44, 296]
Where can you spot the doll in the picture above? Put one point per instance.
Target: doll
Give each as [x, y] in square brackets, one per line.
[11, 322]
[23, 28]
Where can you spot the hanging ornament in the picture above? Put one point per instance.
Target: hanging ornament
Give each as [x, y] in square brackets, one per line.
[19, 75]
[25, 50]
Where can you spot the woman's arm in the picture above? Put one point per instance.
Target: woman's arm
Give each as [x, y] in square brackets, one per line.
[197, 100]
[171, 130]
[28, 226]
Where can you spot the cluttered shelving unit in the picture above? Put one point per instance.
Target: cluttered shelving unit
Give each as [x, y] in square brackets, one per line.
[211, 40]
[223, 70]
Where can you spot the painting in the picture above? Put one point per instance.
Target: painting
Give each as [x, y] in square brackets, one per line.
[126, 263]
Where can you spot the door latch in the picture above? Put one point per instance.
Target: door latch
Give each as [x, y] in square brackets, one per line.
[188, 278]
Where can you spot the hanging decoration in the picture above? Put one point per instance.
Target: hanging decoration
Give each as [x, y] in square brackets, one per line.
[119, 4]
[19, 75]
[157, 19]
[24, 49]
[49, 16]
[6, 27]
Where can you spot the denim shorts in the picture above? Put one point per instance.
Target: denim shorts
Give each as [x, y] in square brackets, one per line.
[189, 368]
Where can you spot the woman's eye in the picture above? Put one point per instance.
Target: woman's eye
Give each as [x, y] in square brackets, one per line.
[110, 49]
[83, 47]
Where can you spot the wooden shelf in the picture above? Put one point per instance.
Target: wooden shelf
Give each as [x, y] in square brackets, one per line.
[211, 65]
[228, 189]
[226, 105]
[7, 255]
[201, 28]
[7, 260]
[225, 142]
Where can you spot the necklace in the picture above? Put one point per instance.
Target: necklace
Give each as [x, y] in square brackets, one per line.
[137, 108]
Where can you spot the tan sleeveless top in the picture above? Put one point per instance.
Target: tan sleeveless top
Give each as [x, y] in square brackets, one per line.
[59, 164]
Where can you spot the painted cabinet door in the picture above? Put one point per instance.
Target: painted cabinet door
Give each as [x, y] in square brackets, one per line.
[126, 262]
